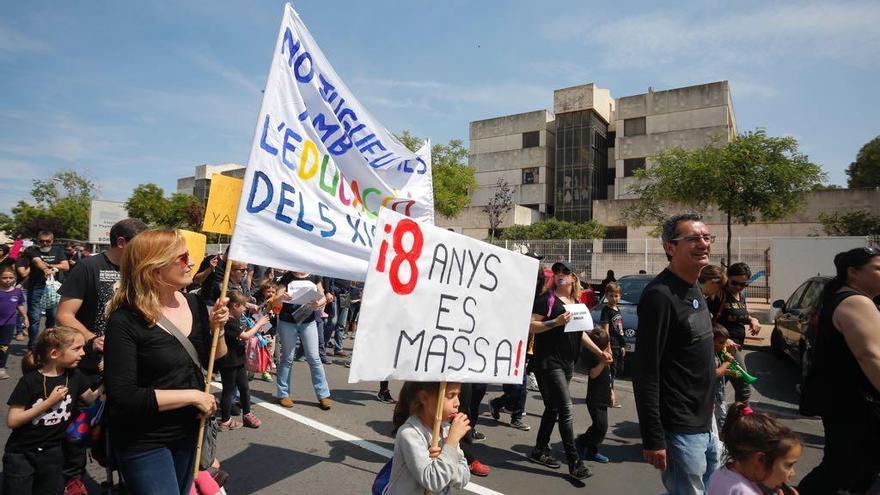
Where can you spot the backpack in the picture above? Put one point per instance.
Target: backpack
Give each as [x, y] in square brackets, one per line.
[382, 479]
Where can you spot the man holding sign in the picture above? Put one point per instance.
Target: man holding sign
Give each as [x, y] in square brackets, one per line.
[556, 350]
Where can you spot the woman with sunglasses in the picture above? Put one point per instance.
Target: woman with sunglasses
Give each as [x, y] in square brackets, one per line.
[731, 311]
[155, 389]
[844, 380]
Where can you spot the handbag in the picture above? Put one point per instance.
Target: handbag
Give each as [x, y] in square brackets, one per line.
[382, 479]
[50, 298]
[86, 430]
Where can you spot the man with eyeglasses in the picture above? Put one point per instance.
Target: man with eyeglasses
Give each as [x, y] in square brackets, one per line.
[674, 364]
[44, 260]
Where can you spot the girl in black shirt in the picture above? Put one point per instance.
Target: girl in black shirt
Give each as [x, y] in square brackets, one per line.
[233, 373]
[40, 408]
[155, 391]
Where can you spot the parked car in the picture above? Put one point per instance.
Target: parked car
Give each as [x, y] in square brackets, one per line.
[632, 287]
[794, 329]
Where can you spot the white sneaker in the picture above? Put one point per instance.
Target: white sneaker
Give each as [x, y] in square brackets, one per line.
[532, 382]
[3, 374]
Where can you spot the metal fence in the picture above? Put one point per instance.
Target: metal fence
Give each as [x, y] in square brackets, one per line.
[592, 258]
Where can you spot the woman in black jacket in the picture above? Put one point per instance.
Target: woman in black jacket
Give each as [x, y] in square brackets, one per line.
[155, 390]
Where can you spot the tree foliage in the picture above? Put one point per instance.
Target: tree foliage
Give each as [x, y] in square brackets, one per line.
[754, 176]
[498, 206]
[865, 171]
[453, 178]
[555, 229]
[857, 222]
[148, 202]
[60, 204]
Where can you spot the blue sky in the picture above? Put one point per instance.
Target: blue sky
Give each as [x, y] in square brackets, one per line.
[131, 93]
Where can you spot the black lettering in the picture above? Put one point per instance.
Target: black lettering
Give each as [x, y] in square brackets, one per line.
[442, 309]
[479, 354]
[500, 358]
[432, 352]
[490, 272]
[464, 307]
[474, 264]
[436, 260]
[420, 337]
[456, 262]
[455, 350]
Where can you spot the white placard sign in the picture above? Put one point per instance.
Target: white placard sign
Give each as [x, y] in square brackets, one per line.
[102, 216]
[442, 306]
[320, 168]
[581, 319]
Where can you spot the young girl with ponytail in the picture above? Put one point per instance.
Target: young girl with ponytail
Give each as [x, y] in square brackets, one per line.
[40, 408]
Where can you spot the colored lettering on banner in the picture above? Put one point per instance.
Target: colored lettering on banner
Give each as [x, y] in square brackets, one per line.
[222, 206]
[441, 306]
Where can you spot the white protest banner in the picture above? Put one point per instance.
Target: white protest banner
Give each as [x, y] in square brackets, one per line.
[102, 216]
[442, 306]
[320, 168]
[581, 319]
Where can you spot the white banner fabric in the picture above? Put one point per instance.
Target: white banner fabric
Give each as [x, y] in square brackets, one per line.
[442, 306]
[320, 168]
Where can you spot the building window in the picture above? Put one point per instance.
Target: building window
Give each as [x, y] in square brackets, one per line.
[634, 127]
[615, 240]
[612, 175]
[630, 165]
[611, 136]
[531, 139]
[530, 175]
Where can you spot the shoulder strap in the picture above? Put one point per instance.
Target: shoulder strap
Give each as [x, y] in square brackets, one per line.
[171, 328]
[551, 300]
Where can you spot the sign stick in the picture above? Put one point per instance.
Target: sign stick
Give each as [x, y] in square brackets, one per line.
[438, 419]
[215, 336]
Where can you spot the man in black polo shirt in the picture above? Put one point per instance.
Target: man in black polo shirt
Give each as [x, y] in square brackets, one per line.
[44, 259]
[674, 366]
[84, 295]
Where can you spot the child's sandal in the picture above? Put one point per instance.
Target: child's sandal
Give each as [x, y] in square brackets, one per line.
[251, 420]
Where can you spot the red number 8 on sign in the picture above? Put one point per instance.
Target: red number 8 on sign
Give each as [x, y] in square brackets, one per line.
[401, 255]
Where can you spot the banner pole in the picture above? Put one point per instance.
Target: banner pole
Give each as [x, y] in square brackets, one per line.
[215, 337]
[438, 419]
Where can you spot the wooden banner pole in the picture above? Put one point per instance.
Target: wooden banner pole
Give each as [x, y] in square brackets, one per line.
[438, 419]
[215, 337]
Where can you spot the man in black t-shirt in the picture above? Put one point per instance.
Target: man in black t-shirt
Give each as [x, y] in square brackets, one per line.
[44, 260]
[674, 373]
[84, 295]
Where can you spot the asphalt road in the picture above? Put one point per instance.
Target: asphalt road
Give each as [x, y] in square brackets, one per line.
[307, 450]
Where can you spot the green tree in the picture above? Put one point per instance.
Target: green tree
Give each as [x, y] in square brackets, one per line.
[555, 229]
[865, 171]
[60, 204]
[850, 223]
[148, 202]
[753, 176]
[453, 178]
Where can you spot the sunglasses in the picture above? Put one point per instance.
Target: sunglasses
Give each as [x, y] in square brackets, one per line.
[564, 271]
[183, 259]
[45, 241]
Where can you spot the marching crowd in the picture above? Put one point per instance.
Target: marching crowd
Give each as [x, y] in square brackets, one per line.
[119, 370]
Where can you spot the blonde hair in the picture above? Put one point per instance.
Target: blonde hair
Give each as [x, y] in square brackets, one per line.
[60, 338]
[142, 260]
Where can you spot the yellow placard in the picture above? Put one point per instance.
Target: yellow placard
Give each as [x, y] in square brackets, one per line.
[222, 204]
[195, 244]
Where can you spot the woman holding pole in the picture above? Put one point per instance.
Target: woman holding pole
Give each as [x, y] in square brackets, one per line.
[155, 388]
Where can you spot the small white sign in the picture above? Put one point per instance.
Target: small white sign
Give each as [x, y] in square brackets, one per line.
[302, 292]
[581, 319]
[102, 216]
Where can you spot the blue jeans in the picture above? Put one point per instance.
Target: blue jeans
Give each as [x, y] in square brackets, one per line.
[164, 471]
[514, 398]
[332, 333]
[308, 334]
[34, 295]
[690, 460]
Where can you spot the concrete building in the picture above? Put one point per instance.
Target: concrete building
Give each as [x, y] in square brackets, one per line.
[587, 150]
[199, 184]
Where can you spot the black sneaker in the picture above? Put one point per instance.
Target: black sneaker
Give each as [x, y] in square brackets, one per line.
[544, 459]
[578, 470]
[385, 396]
[494, 410]
[519, 425]
[476, 436]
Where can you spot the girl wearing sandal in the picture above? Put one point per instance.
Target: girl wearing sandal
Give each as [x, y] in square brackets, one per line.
[233, 373]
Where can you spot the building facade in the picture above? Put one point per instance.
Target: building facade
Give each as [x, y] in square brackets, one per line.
[587, 150]
[199, 184]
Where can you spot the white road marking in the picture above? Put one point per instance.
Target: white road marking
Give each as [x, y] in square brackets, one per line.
[360, 442]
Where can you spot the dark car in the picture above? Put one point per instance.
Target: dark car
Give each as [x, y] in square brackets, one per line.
[632, 287]
[794, 328]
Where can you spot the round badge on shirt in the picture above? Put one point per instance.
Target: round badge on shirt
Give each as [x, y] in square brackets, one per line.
[696, 304]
